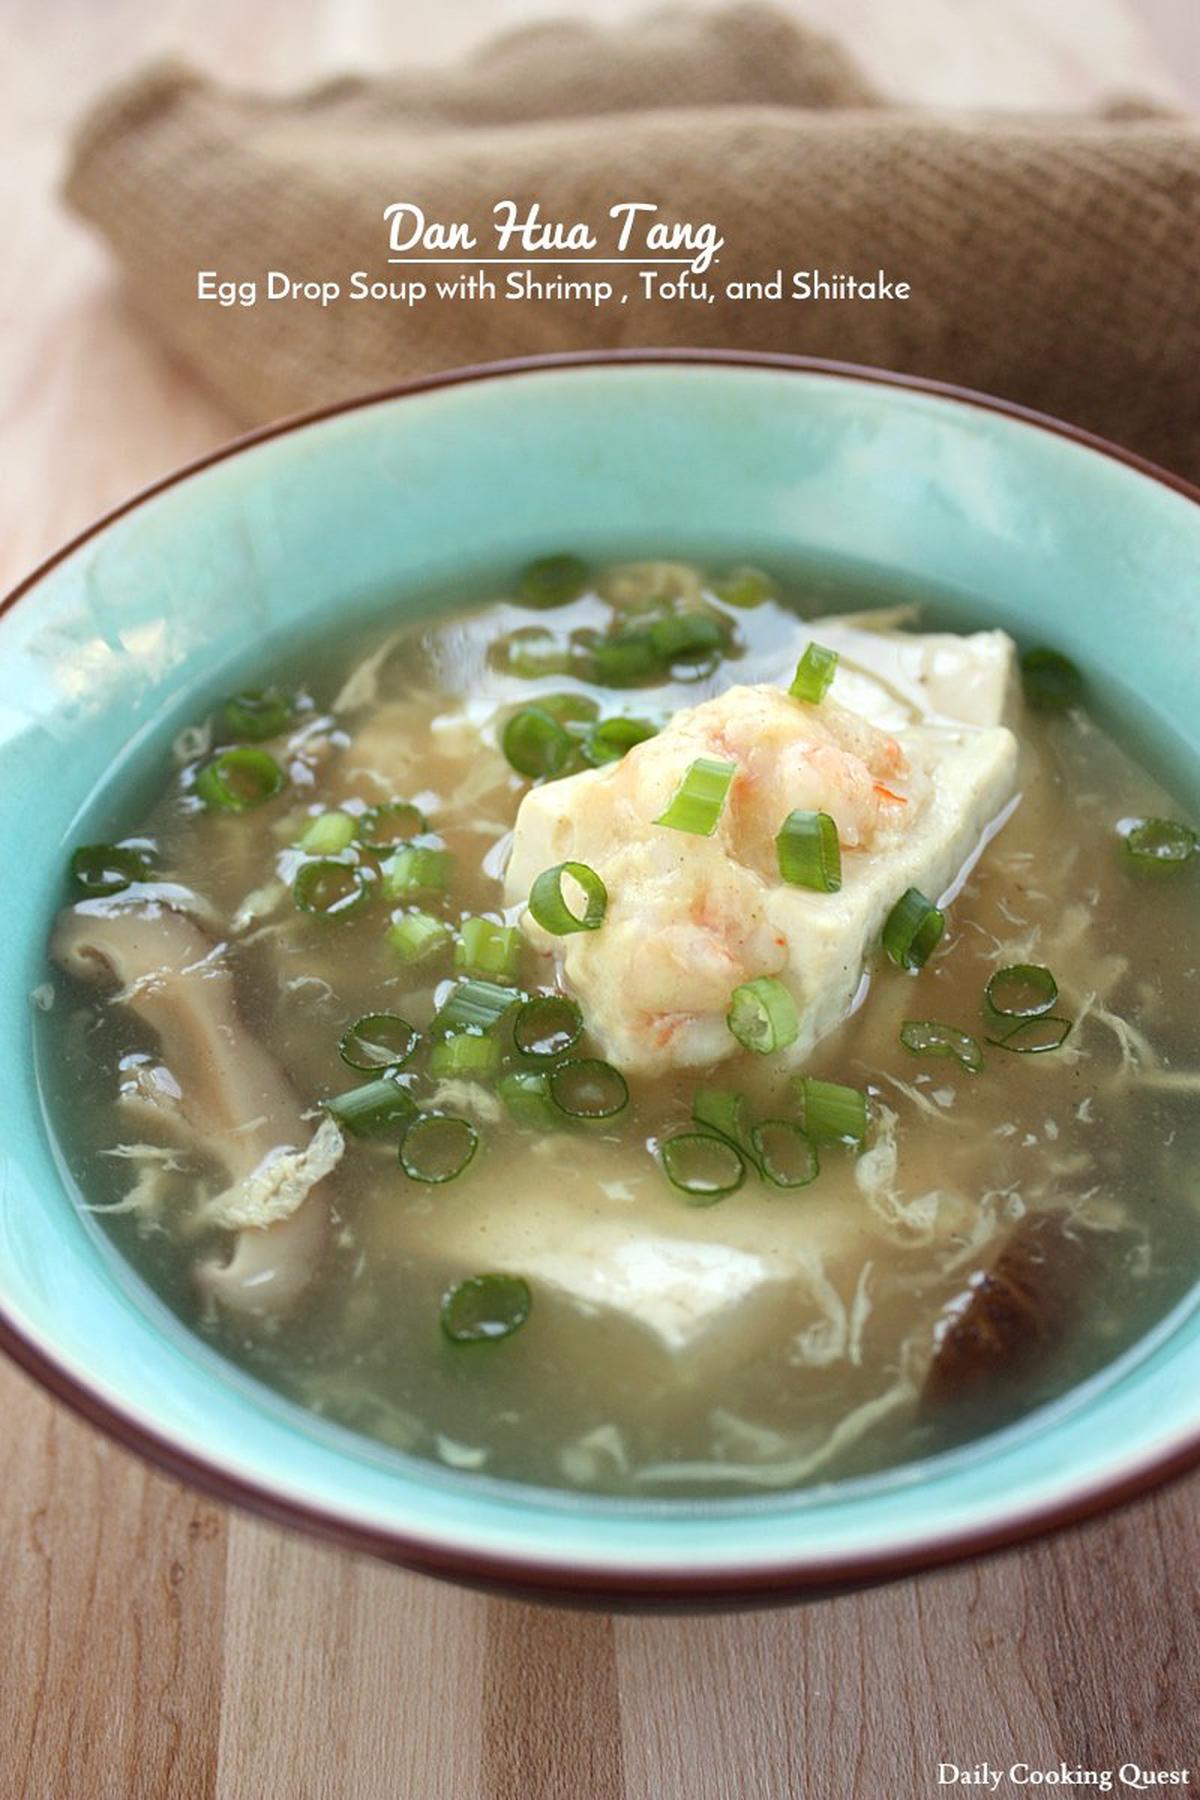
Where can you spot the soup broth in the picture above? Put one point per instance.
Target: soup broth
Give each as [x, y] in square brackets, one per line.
[990, 1200]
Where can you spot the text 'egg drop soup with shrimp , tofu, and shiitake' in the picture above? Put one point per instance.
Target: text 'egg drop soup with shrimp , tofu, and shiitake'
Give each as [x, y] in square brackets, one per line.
[628, 1036]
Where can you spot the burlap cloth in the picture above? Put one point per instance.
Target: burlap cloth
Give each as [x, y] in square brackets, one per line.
[1052, 260]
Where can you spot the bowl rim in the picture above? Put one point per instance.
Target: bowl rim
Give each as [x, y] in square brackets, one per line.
[515, 1574]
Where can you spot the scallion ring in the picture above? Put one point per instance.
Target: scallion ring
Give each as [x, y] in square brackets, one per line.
[808, 852]
[417, 869]
[762, 1016]
[1159, 845]
[327, 834]
[696, 804]
[785, 1154]
[378, 1041]
[1051, 681]
[832, 1112]
[473, 1006]
[547, 1026]
[537, 744]
[394, 822]
[814, 673]
[331, 889]
[719, 1110]
[609, 740]
[530, 652]
[238, 779]
[464, 1056]
[259, 713]
[553, 580]
[625, 659]
[929, 1037]
[549, 908]
[912, 931]
[416, 935]
[745, 587]
[702, 1167]
[1021, 991]
[530, 1107]
[101, 869]
[372, 1109]
[680, 637]
[485, 1308]
[485, 947]
[1033, 1037]
[437, 1147]
[585, 1087]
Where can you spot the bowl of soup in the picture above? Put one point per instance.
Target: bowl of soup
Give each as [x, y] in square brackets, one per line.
[603, 974]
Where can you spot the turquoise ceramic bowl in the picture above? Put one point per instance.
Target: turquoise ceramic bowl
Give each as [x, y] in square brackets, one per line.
[1008, 519]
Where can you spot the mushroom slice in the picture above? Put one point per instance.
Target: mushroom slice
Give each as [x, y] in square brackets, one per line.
[235, 1104]
[994, 1338]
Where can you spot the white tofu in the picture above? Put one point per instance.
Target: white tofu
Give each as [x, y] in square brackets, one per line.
[691, 918]
[706, 1285]
[712, 1287]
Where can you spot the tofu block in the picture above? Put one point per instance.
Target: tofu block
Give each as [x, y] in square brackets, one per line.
[709, 1287]
[905, 754]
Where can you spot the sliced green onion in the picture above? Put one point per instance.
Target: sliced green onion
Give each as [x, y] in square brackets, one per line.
[832, 1112]
[697, 801]
[536, 744]
[235, 780]
[611, 738]
[625, 659]
[745, 587]
[681, 636]
[327, 834]
[1033, 1037]
[485, 1308]
[1050, 680]
[553, 580]
[334, 890]
[467, 1056]
[485, 948]
[378, 1041]
[437, 1147]
[786, 1155]
[416, 935]
[814, 672]
[703, 1168]
[473, 1006]
[1159, 844]
[547, 1026]
[762, 1016]
[1022, 991]
[530, 652]
[529, 1105]
[719, 1110]
[912, 930]
[809, 853]
[569, 708]
[584, 1087]
[259, 713]
[416, 869]
[99, 869]
[929, 1037]
[395, 822]
[548, 906]
[373, 1109]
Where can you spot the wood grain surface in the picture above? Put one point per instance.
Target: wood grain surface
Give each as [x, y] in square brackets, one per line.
[154, 1644]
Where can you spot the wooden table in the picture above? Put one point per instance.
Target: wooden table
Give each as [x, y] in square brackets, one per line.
[156, 1645]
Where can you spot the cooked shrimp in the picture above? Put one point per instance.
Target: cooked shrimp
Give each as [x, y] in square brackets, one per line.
[688, 917]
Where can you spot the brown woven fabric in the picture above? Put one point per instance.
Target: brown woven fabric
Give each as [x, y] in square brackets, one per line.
[1054, 261]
